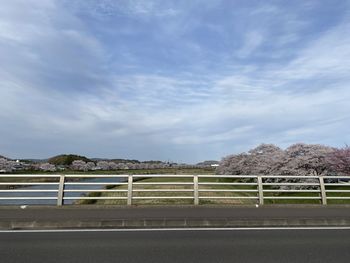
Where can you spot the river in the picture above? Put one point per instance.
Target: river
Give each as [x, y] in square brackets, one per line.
[54, 194]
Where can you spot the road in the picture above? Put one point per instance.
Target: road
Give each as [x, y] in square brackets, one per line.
[178, 246]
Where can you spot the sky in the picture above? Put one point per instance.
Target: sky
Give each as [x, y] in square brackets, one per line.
[180, 80]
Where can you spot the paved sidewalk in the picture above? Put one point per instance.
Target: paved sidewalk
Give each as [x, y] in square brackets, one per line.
[202, 216]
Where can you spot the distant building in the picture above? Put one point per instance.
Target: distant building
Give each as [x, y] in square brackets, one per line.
[209, 163]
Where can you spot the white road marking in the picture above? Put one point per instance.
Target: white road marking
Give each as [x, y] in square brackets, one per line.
[172, 229]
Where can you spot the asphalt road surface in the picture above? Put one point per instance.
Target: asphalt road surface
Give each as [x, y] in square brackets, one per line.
[164, 246]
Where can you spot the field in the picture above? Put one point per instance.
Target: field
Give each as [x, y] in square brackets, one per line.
[143, 190]
[216, 198]
[143, 193]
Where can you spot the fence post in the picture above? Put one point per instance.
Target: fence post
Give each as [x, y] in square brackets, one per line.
[261, 190]
[323, 190]
[60, 191]
[130, 181]
[195, 190]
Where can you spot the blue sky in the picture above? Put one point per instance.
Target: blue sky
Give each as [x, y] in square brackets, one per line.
[171, 80]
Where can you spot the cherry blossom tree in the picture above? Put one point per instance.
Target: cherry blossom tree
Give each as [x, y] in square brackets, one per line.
[260, 160]
[6, 165]
[298, 159]
[79, 165]
[90, 166]
[232, 164]
[304, 159]
[339, 160]
[103, 165]
[47, 167]
[112, 166]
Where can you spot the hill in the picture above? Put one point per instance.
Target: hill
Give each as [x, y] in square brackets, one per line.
[67, 159]
[115, 160]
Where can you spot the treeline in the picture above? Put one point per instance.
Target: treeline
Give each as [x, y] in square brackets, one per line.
[298, 159]
[81, 163]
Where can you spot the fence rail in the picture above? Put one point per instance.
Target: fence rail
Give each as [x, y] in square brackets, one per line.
[197, 188]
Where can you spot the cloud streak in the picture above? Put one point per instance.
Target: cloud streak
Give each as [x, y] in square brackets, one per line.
[147, 81]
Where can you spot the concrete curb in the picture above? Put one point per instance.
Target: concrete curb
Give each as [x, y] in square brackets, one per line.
[171, 223]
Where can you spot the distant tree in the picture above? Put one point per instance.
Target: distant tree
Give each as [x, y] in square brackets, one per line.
[122, 166]
[339, 160]
[6, 165]
[103, 165]
[112, 166]
[130, 165]
[79, 165]
[90, 166]
[47, 167]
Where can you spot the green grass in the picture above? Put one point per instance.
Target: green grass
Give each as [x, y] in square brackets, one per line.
[292, 201]
[335, 201]
[310, 201]
[218, 194]
[174, 194]
[179, 171]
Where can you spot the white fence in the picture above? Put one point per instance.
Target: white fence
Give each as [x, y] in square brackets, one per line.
[196, 188]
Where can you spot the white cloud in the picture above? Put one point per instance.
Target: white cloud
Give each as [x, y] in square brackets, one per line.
[252, 40]
[137, 9]
[56, 85]
[326, 56]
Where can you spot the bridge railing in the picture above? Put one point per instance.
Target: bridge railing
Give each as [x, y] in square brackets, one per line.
[196, 189]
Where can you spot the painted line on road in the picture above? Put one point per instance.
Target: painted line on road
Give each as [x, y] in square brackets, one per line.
[170, 229]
